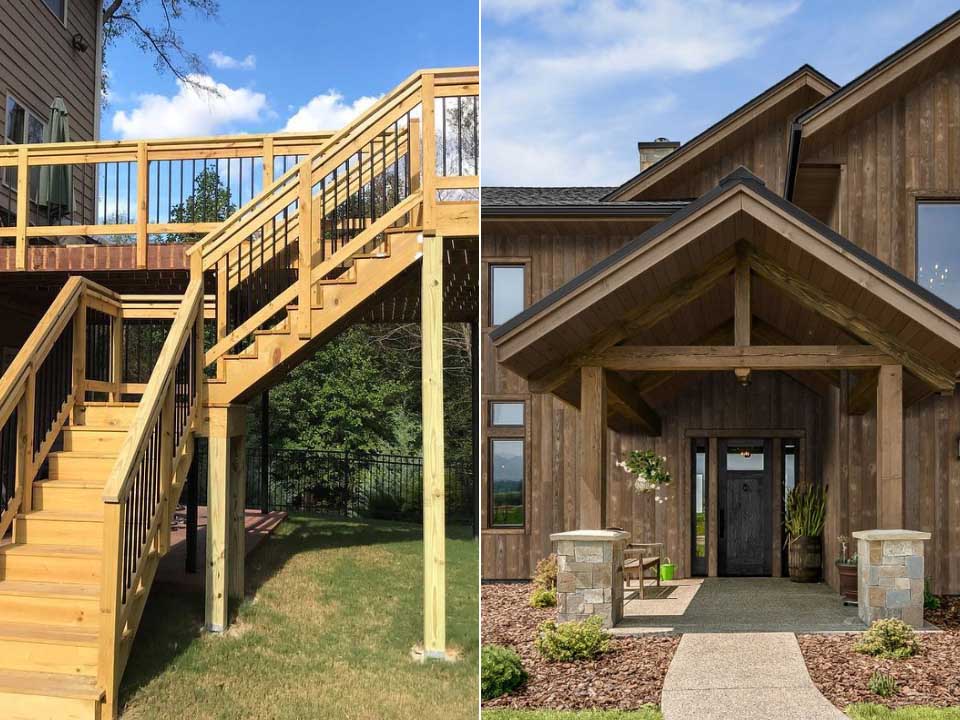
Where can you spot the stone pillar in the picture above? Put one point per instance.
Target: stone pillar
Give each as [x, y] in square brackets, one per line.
[590, 574]
[890, 575]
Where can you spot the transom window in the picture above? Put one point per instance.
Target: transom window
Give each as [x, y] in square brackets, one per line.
[938, 248]
[506, 414]
[507, 292]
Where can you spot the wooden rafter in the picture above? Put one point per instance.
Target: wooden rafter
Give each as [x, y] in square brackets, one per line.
[623, 398]
[863, 395]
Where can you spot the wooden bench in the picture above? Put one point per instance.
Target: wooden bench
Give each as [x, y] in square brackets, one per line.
[638, 558]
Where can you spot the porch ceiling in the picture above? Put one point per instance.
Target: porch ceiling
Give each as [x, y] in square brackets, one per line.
[673, 286]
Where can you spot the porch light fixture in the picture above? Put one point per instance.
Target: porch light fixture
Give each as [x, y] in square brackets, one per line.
[743, 376]
[79, 43]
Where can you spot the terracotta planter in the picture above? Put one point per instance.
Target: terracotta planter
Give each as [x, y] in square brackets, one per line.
[848, 581]
[805, 559]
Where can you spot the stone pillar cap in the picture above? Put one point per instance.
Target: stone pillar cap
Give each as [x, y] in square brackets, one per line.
[877, 535]
[592, 535]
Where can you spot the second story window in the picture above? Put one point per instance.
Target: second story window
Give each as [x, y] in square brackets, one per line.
[507, 292]
[58, 8]
[938, 248]
[20, 127]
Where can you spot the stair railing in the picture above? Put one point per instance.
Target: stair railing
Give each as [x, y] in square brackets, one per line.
[145, 485]
[47, 382]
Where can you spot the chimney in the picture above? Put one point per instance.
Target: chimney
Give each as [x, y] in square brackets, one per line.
[651, 152]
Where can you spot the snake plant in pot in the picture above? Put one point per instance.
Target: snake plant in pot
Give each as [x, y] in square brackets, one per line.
[805, 512]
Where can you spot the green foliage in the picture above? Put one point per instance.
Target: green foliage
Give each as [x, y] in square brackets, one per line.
[648, 468]
[889, 638]
[543, 598]
[806, 510]
[869, 711]
[545, 577]
[211, 201]
[930, 601]
[501, 671]
[882, 684]
[572, 640]
[384, 505]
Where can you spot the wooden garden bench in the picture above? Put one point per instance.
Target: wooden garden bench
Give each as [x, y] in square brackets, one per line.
[638, 558]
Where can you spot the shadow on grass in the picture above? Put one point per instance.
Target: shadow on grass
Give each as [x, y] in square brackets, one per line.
[173, 621]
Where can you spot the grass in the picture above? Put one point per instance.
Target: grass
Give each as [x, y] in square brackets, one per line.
[647, 713]
[879, 712]
[333, 609]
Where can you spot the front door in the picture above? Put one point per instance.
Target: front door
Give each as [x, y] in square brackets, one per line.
[745, 507]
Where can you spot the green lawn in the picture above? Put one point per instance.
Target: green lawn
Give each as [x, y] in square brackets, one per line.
[878, 712]
[648, 713]
[333, 608]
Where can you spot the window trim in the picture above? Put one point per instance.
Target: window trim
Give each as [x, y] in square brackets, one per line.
[502, 426]
[486, 307]
[920, 197]
[66, 11]
[492, 432]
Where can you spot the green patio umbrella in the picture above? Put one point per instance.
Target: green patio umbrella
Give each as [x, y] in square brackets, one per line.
[56, 192]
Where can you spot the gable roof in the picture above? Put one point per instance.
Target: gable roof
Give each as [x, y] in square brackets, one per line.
[554, 328]
[805, 76]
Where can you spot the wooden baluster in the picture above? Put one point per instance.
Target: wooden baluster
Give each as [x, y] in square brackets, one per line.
[429, 158]
[305, 211]
[23, 207]
[143, 203]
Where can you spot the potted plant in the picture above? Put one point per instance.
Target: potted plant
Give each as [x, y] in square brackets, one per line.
[667, 570]
[805, 513]
[847, 570]
[649, 472]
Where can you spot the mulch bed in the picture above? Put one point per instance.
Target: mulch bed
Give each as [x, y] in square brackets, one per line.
[626, 678]
[932, 677]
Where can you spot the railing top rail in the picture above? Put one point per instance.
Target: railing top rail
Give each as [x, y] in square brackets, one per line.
[151, 402]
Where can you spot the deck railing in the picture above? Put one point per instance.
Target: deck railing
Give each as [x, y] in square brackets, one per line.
[136, 193]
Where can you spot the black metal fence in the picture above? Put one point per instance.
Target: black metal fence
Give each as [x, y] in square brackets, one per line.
[353, 484]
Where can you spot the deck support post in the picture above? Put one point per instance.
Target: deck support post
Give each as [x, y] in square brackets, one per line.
[592, 510]
[890, 447]
[226, 429]
[434, 530]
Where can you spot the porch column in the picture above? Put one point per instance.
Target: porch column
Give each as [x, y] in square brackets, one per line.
[890, 447]
[592, 499]
[434, 531]
[224, 426]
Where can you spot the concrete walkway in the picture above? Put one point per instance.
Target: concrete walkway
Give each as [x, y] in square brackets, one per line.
[742, 676]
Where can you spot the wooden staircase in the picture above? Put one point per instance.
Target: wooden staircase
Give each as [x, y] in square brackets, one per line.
[88, 483]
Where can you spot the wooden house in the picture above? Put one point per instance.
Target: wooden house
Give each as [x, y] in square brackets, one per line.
[773, 302]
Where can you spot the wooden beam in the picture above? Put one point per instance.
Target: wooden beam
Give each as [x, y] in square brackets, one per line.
[817, 380]
[853, 322]
[890, 448]
[592, 510]
[863, 394]
[625, 399]
[653, 358]
[741, 299]
[434, 533]
[678, 295]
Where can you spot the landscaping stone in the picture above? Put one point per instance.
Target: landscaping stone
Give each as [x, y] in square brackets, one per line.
[590, 574]
[890, 572]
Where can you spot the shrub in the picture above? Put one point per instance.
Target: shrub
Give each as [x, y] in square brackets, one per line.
[543, 598]
[930, 601]
[546, 576]
[572, 640]
[501, 671]
[882, 684]
[889, 638]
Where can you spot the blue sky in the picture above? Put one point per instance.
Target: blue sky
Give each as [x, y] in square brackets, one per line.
[301, 65]
[570, 86]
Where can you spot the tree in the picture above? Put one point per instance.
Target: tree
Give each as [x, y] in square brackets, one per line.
[211, 201]
[161, 39]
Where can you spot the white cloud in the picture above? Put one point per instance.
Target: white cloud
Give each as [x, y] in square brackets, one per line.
[327, 112]
[191, 111]
[223, 61]
[573, 84]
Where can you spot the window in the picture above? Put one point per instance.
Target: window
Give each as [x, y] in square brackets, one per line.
[58, 8]
[938, 249]
[21, 127]
[507, 292]
[745, 456]
[506, 414]
[506, 482]
[699, 519]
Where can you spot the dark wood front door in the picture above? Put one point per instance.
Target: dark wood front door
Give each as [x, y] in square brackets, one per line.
[745, 508]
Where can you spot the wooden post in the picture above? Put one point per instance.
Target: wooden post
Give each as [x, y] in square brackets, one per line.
[143, 203]
[79, 360]
[741, 300]
[304, 281]
[109, 640]
[237, 546]
[434, 531]
[218, 460]
[713, 499]
[593, 449]
[193, 497]
[116, 356]
[267, 161]
[23, 207]
[265, 452]
[223, 278]
[890, 448]
[25, 421]
[429, 159]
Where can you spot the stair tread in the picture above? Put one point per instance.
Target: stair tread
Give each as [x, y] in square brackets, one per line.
[95, 428]
[70, 483]
[81, 687]
[84, 454]
[39, 550]
[61, 590]
[48, 634]
[61, 515]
